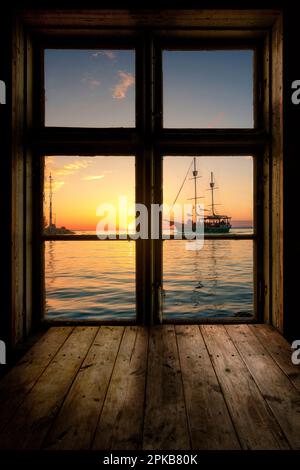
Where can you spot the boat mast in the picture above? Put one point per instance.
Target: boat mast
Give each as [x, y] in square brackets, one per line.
[195, 174]
[212, 186]
[50, 201]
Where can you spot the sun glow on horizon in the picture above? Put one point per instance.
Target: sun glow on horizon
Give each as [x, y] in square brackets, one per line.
[81, 184]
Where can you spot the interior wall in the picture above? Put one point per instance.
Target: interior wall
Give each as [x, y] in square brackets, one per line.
[291, 175]
[13, 325]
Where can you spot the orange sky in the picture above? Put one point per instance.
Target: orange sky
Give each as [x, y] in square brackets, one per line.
[81, 184]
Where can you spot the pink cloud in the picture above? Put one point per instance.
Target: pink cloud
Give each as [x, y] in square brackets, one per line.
[126, 81]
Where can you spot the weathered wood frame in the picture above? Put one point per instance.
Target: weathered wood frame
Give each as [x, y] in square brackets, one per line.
[148, 141]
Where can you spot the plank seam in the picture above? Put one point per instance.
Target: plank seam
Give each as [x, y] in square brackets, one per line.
[2, 426]
[106, 391]
[273, 358]
[145, 389]
[221, 388]
[258, 387]
[183, 389]
[68, 390]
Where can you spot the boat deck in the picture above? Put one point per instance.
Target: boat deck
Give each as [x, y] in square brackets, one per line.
[167, 387]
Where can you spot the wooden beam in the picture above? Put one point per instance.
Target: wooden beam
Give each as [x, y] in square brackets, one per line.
[162, 18]
[18, 188]
[277, 177]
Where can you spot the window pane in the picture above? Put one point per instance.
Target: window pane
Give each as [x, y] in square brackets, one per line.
[208, 89]
[89, 88]
[216, 281]
[90, 280]
[78, 187]
[232, 194]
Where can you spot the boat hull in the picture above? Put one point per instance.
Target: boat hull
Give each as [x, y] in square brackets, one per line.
[216, 229]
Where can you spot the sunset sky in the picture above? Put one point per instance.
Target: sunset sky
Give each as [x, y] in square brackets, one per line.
[96, 88]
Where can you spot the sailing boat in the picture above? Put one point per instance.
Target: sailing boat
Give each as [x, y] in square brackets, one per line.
[213, 222]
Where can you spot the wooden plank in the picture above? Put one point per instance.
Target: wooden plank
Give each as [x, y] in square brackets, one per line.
[280, 350]
[18, 171]
[29, 196]
[161, 18]
[33, 418]
[20, 380]
[265, 293]
[121, 422]
[253, 421]
[280, 394]
[76, 422]
[210, 424]
[277, 176]
[165, 423]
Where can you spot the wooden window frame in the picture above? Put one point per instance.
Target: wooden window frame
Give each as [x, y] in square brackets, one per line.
[148, 141]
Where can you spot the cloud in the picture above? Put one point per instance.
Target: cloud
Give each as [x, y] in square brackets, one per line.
[93, 177]
[94, 82]
[120, 90]
[68, 168]
[109, 54]
[77, 165]
[71, 168]
[56, 185]
[65, 170]
[91, 81]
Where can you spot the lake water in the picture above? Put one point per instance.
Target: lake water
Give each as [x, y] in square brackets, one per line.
[96, 279]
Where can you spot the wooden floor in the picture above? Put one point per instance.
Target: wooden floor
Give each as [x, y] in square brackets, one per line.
[170, 387]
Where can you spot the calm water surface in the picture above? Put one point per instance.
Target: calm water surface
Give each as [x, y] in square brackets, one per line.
[96, 280]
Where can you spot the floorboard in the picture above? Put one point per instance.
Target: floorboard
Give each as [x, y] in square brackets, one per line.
[278, 391]
[165, 387]
[20, 380]
[165, 425]
[256, 427]
[76, 422]
[121, 422]
[28, 427]
[210, 424]
[279, 349]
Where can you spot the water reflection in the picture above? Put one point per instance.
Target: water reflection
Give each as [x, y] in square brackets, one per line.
[216, 281]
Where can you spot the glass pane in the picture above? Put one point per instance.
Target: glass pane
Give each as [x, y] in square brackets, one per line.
[90, 280]
[89, 88]
[216, 281]
[208, 89]
[77, 188]
[224, 185]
